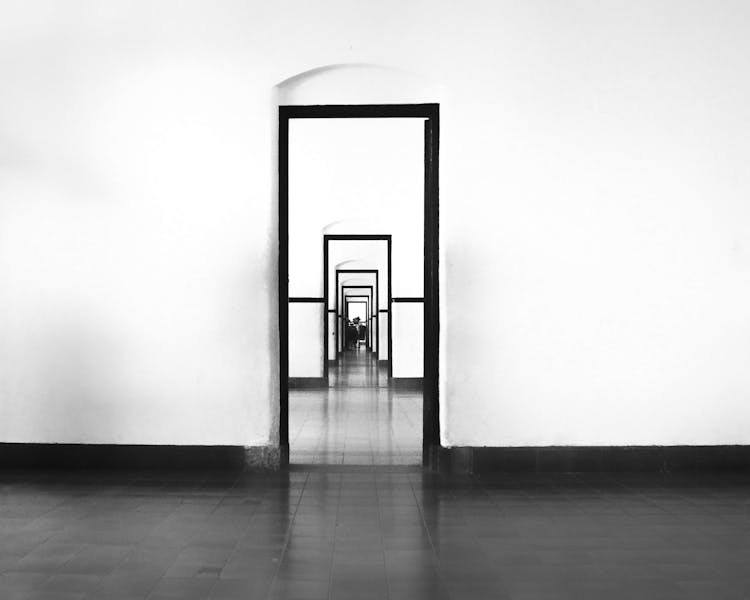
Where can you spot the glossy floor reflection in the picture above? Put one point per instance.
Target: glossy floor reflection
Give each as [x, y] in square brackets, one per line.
[358, 368]
[372, 533]
[358, 420]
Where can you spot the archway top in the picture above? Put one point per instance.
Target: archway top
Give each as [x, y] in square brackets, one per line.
[358, 281]
[357, 83]
[358, 225]
[322, 70]
[356, 263]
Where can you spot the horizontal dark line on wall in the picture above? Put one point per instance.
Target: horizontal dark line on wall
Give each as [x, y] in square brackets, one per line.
[407, 299]
[407, 383]
[333, 310]
[478, 460]
[340, 111]
[353, 238]
[562, 459]
[131, 456]
[383, 310]
[306, 299]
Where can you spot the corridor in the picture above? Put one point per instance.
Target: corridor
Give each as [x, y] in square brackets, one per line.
[357, 420]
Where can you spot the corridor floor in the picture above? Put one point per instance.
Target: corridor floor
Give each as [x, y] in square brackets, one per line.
[352, 533]
[358, 420]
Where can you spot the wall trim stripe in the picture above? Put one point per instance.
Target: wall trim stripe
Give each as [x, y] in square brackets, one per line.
[137, 456]
[569, 459]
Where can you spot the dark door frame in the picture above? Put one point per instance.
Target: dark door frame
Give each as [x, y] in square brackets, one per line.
[431, 114]
[370, 304]
[363, 237]
[375, 307]
[343, 300]
[358, 300]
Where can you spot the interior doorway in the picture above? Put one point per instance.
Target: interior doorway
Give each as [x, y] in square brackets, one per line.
[371, 282]
[335, 282]
[357, 311]
[376, 308]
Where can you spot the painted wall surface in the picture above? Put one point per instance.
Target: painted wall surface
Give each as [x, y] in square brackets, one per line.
[594, 212]
[408, 339]
[306, 339]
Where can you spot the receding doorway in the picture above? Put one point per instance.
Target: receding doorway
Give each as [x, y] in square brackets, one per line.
[365, 279]
[301, 315]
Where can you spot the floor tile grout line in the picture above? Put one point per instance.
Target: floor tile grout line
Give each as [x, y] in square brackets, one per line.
[335, 536]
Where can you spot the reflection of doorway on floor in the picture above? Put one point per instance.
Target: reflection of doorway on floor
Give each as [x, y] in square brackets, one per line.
[358, 420]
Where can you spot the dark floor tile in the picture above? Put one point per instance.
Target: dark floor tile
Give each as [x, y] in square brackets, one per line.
[81, 584]
[418, 589]
[240, 589]
[299, 589]
[183, 589]
[358, 590]
[19, 585]
[53, 595]
[476, 591]
[714, 589]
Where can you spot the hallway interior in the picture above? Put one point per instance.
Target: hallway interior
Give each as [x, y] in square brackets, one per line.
[360, 419]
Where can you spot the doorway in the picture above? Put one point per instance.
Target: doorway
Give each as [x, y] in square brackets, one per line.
[357, 311]
[429, 115]
[373, 286]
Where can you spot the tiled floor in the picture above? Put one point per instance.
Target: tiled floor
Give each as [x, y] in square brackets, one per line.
[358, 420]
[372, 533]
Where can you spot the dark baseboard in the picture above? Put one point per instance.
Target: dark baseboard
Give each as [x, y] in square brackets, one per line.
[476, 460]
[570, 459]
[116, 456]
[383, 362]
[307, 383]
[333, 362]
[407, 383]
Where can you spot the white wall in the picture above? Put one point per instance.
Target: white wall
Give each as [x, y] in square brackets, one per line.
[306, 339]
[594, 189]
[408, 339]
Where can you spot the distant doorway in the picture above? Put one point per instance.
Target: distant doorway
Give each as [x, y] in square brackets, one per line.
[428, 302]
[370, 282]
